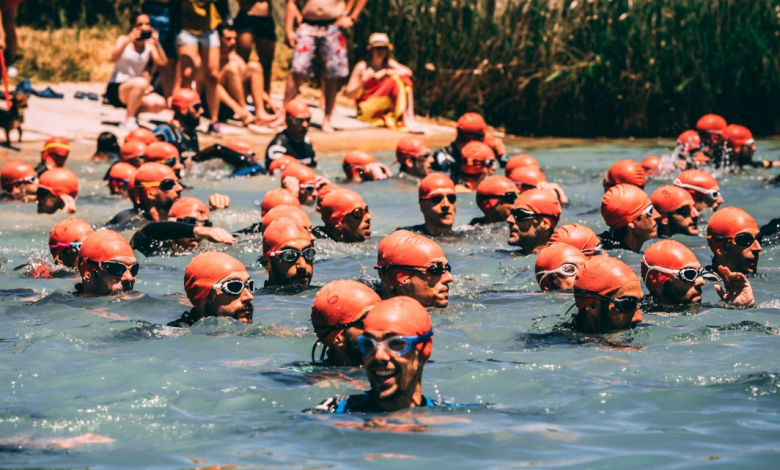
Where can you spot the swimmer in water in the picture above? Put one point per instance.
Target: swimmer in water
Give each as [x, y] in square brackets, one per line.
[54, 154]
[675, 211]
[625, 172]
[519, 161]
[360, 166]
[238, 153]
[496, 196]
[288, 254]
[156, 189]
[396, 343]
[107, 264]
[732, 235]
[414, 157]
[19, 181]
[497, 145]
[293, 141]
[471, 127]
[702, 187]
[711, 128]
[65, 241]
[121, 177]
[651, 165]
[533, 219]
[132, 152]
[217, 285]
[165, 153]
[674, 276]
[607, 295]
[527, 177]
[415, 266]
[437, 203]
[345, 216]
[557, 266]
[58, 189]
[181, 130]
[141, 134]
[579, 236]
[301, 180]
[477, 162]
[279, 212]
[628, 212]
[337, 316]
[689, 151]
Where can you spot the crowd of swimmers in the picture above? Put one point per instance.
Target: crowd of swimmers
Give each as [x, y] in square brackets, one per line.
[384, 324]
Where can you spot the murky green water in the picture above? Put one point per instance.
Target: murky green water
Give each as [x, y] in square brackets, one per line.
[700, 389]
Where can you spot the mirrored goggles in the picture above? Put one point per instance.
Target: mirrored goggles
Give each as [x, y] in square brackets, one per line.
[309, 188]
[395, 345]
[75, 245]
[436, 269]
[566, 269]
[509, 197]
[359, 212]
[164, 185]
[291, 255]
[711, 194]
[648, 211]
[479, 163]
[522, 215]
[235, 286]
[438, 198]
[116, 268]
[194, 221]
[626, 304]
[742, 239]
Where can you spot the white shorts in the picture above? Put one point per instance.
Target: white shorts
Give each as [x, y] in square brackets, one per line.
[186, 38]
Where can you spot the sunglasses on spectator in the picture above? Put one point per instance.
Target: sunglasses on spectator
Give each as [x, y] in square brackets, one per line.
[359, 212]
[75, 245]
[235, 286]
[626, 304]
[711, 194]
[742, 239]
[115, 267]
[509, 197]
[438, 198]
[394, 345]
[436, 269]
[291, 255]
[194, 221]
[164, 185]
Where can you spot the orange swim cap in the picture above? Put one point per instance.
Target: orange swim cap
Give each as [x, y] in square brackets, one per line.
[542, 202]
[160, 152]
[132, 149]
[123, 171]
[578, 236]
[601, 275]
[628, 172]
[403, 316]
[337, 204]
[651, 164]
[410, 146]
[141, 134]
[737, 136]
[278, 164]
[670, 198]
[68, 231]
[241, 146]
[496, 185]
[666, 254]
[13, 172]
[689, 140]
[102, 245]
[204, 271]
[188, 207]
[278, 197]
[303, 173]
[471, 123]
[404, 248]
[356, 158]
[282, 231]
[711, 123]
[527, 177]
[476, 158]
[297, 108]
[553, 257]
[152, 173]
[57, 147]
[337, 303]
[519, 161]
[435, 183]
[60, 181]
[696, 182]
[727, 223]
[183, 98]
[284, 211]
[324, 191]
[623, 204]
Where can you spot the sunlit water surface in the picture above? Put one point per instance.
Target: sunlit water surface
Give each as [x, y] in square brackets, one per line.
[697, 388]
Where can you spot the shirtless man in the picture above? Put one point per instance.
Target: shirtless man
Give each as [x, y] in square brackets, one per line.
[321, 31]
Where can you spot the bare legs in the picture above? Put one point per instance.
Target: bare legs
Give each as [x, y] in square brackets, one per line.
[409, 120]
[9, 26]
[201, 64]
[133, 93]
[331, 88]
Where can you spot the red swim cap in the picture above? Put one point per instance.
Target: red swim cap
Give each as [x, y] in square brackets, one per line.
[404, 248]
[527, 177]
[356, 158]
[204, 271]
[471, 123]
[123, 171]
[689, 140]
[542, 202]
[727, 223]
[282, 231]
[188, 207]
[403, 316]
[696, 182]
[553, 257]
[60, 181]
[141, 134]
[103, 245]
[670, 198]
[160, 152]
[435, 183]
[297, 108]
[303, 173]
[496, 185]
[57, 147]
[283, 211]
[711, 123]
[337, 303]
[519, 161]
[651, 164]
[132, 149]
[474, 158]
[68, 231]
[578, 236]
[601, 275]
[623, 204]
[183, 98]
[666, 254]
[324, 191]
[278, 164]
[241, 146]
[338, 204]
[278, 197]
[13, 172]
[410, 146]
[628, 172]
[153, 173]
[737, 136]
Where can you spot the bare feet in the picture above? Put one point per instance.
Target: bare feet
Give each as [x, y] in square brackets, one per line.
[327, 127]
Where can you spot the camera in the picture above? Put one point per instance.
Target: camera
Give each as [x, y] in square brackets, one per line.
[145, 35]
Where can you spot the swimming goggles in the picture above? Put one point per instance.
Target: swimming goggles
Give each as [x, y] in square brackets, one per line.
[42, 192]
[359, 212]
[479, 163]
[74, 245]
[648, 211]
[524, 186]
[521, 215]
[116, 268]
[566, 270]
[27, 180]
[309, 188]
[194, 221]
[396, 345]
[235, 286]
[627, 304]
[164, 185]
[742, 239]
[509, 197]
[438, 198]
[684, 211]
[291, 255]
[119, 180]
[436, 269]
[299, 121]
[330, 329]
[684, 274]
[596, 250]
[711, 194]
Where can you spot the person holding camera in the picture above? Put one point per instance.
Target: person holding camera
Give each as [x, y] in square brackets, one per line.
[129, 86]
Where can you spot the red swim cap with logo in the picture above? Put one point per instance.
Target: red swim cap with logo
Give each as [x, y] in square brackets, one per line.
[337, 303]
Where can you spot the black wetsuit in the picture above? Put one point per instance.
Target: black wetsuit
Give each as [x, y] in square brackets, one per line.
[321, 233]
[447, 160]
[770, 233]
[187, 320]
[129, 219]
[155, 237]
[183, 139]
[242, 164]
[361, 403]
[41, 169]
[282, 144]
[609, 242]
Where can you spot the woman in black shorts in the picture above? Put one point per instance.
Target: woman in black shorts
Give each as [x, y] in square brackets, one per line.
[255, 24]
